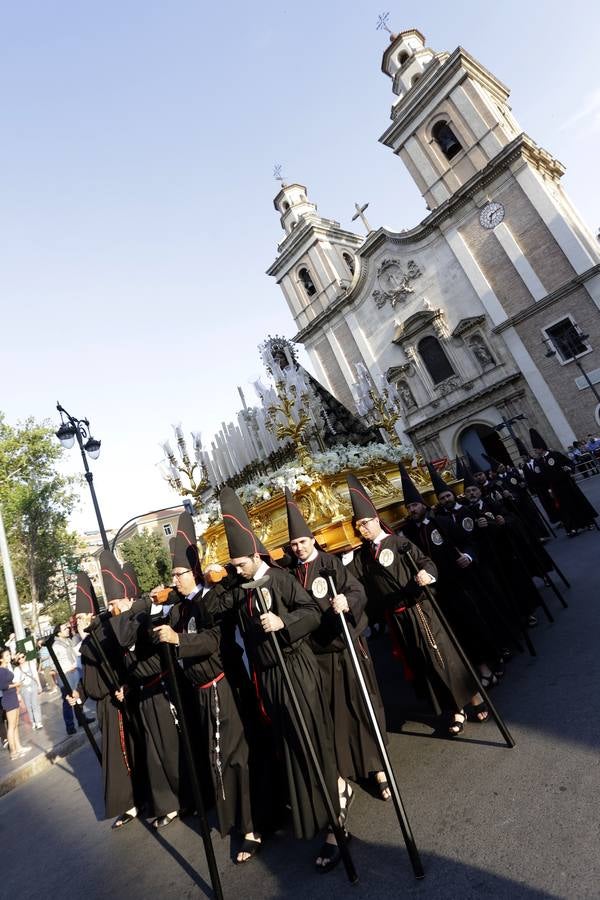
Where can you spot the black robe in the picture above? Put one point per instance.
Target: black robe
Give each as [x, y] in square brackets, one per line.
[215, 716]
[355, 748]
[458, 592]
[424, 641]
[555, 481]
[301, 615]
[117, 742]
[147, 678]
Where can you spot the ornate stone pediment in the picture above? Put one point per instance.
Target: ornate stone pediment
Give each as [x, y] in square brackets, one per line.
[394, 282]
[418, 322]
[467, 325]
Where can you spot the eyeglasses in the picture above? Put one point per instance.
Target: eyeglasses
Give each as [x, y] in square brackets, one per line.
[364, 522]
[181, 574]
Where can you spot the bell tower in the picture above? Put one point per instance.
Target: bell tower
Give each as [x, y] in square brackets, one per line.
[316, 258]
[450, 118]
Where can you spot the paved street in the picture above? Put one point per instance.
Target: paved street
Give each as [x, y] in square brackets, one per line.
[490, 822]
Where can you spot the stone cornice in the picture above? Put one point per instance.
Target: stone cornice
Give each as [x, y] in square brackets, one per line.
[450, 411]
[547, 301]
[522, 147]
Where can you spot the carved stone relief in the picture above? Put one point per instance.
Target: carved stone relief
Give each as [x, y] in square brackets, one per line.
[394, 282]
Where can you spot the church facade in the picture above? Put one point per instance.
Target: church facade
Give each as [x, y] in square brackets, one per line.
[479, 313]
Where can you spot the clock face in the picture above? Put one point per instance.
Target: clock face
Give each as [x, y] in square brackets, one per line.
[491, 215]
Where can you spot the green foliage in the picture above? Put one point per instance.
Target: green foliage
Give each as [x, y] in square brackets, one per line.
[149, 557]
[36, 501]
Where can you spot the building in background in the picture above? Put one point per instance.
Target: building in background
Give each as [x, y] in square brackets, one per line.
[479, 312]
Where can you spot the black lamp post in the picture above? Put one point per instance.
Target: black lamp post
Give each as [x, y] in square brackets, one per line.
[508, 424]
[71, 428]
[571, 342]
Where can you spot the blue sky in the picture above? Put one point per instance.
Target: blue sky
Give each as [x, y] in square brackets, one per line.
[136, 181]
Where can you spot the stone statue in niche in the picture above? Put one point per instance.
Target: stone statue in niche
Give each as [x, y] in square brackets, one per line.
[481, 352]
[406, 395]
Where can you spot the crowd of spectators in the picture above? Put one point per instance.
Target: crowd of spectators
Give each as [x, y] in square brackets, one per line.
[585, 455]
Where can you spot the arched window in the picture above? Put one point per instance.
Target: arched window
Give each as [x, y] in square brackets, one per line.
[349, 260]
[415, 78]
[286, 206]
[307, 282]
[446, 139]
[402, 57]
[435, 360]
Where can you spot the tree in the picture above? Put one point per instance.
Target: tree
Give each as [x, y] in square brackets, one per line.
[36, 502]
[149, 557]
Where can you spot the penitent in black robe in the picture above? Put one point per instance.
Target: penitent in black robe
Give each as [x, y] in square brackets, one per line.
[554, 480]
[147, 679]
[215, 718]
[384, 571]
[301, 615]
[355, 748]
[117, 743]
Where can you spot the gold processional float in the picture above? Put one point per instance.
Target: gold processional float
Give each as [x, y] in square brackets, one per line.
[321, 495]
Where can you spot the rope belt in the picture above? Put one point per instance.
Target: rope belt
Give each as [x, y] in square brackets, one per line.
[152, 681]
[209, 684]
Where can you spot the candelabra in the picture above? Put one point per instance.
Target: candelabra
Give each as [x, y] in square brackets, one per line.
[195, 472]
[378, 403]
[287, 405]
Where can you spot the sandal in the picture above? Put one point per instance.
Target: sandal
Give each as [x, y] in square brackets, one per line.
[347, 795]
[458, 725]
[478, 712]
[124, 819]
[331, 854]
[250, 847]
[163, 821]
[384, 789]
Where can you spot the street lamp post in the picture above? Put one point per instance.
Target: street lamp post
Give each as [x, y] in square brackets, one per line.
[508, 424]
[79, 429]
[571, 341]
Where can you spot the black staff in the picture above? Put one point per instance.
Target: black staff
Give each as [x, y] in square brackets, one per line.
[338, 830]
[510, 742]
[108, 673]
[215, 879]
[409, 841]
[78, 708]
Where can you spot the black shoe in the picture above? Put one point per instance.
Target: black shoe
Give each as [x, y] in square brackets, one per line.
[71, 729]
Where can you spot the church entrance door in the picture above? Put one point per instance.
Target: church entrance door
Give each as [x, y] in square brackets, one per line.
[480, 439]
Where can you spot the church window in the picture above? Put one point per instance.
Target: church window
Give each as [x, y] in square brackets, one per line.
[435, 360]
[349, 260]
[566, 339]
[307, 282]
[446, 139]
[286, 206]
[415, 78]
[403, 57]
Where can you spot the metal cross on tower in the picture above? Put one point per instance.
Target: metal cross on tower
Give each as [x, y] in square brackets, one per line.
[382, 22]
[277, 172]
[360, 214]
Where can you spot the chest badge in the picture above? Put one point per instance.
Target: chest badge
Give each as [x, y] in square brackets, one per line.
[436, 538]
[467, 523]
[386, 557]
[319, 588]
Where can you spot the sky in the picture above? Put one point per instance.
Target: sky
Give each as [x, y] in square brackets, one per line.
[136, 189]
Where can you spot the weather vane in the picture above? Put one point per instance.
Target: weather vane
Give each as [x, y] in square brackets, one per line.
[382, 22]
[277, 172]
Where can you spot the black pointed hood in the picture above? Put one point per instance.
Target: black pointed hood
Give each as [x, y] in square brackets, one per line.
[241, 539]
[362, 505]
[474, 466]
[115, 587]
[297, 524]
[537, 441]
[464, 473]
[184, 549]
[85, 596]
[131, 580]
[437, 482]
[410, 492]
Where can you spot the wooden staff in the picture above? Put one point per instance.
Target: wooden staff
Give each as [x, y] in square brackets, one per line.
[409, 841]
[78, 708]
[309, 747]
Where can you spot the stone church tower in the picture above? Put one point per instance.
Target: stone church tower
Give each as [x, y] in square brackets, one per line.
[481, 311]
